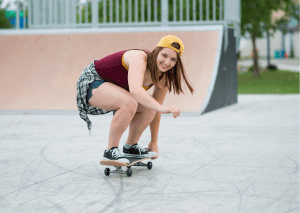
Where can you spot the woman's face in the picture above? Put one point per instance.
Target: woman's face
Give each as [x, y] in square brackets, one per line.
[166, 59]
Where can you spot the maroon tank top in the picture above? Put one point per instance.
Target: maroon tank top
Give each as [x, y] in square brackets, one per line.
[113, 69]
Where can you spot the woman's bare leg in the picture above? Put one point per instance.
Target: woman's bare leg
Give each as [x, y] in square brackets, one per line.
[111, 97]
[142, 119]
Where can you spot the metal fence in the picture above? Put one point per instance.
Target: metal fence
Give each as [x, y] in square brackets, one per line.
[45, 14]
[55, 14]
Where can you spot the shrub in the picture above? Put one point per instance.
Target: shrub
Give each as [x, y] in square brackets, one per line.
[4, 22]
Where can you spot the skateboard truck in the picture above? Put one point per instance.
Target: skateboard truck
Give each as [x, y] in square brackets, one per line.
[118, 170]
[118, 165]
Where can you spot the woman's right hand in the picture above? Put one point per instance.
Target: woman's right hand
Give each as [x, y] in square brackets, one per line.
[170, 109]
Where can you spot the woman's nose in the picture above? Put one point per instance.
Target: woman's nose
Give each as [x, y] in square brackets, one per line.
[167, 62]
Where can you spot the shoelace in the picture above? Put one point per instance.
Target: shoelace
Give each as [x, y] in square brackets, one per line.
[138, 148]
[116, 153]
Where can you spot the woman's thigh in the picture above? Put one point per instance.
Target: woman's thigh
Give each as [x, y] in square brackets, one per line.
[109, 96]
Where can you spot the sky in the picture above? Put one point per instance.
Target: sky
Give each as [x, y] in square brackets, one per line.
[5, 2]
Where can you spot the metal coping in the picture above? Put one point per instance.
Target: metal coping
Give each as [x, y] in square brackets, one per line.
[110, 30]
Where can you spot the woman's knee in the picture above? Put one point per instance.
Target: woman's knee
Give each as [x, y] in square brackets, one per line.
[130, 104]
[149, 112]
[152, 114]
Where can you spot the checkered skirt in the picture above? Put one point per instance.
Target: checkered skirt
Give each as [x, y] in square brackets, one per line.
[88, 76]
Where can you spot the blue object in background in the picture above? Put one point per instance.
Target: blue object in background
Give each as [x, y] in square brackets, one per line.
[13, 22]
[279, 53]
[282, 53]
[11, 16]
[276, 54]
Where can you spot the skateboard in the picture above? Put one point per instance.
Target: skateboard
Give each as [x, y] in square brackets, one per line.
[133, 161]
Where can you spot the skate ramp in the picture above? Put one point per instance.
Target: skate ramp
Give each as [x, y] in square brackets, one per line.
[39, 69]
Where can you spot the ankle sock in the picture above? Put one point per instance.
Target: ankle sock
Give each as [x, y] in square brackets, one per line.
[127, 146]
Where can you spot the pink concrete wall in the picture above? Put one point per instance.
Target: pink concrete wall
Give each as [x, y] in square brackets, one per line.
[39, 72]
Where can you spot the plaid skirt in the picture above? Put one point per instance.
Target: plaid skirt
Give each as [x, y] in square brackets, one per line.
[88, 76]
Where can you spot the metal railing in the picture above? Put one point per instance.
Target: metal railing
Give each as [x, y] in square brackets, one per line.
[45, 14]
[55, 14]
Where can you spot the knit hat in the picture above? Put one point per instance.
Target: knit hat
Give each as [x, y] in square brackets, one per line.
[168, 40]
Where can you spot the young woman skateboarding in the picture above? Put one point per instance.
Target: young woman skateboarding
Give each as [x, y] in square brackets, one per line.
[119, 82]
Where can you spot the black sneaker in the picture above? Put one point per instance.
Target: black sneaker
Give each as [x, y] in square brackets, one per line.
[115, 154]
[138, 152]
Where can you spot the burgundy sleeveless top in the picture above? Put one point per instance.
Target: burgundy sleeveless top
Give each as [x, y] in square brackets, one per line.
[112, 68]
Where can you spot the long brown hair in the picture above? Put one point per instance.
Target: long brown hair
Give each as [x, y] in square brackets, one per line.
[172, 77]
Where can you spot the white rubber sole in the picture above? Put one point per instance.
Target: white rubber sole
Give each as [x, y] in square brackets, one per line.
[149, 155]
[122, 160]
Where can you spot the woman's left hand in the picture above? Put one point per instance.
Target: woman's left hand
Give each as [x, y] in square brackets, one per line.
[154, 148]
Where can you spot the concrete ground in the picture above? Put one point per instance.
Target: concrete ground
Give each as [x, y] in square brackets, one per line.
[242, 158]
[283, 64]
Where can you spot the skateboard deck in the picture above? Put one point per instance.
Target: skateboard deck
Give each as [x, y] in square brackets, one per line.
[133, 161]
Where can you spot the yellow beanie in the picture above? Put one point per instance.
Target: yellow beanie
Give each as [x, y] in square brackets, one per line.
[168, 40]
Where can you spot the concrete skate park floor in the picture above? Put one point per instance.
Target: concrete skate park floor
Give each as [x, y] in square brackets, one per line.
[242, 158]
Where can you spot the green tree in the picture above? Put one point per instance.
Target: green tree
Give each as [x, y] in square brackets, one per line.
[152, 15]
[256, 19]
[4, 22]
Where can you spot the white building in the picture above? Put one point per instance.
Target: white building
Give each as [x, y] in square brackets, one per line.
[278, 42]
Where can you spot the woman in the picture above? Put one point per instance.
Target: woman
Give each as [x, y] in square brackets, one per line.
[119, 82]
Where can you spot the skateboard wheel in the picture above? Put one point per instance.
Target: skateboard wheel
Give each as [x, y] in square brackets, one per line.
[129, 172]
[149, 165]
[107, 171]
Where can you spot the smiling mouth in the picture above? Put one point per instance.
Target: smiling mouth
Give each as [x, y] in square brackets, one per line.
[163, 66]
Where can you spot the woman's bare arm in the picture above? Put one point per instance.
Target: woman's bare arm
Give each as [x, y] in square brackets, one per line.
[137, 68]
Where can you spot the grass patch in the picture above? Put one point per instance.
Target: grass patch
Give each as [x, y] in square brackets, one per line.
[278, 82]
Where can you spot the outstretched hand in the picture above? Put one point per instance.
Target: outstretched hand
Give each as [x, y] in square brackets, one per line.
[170, 109]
